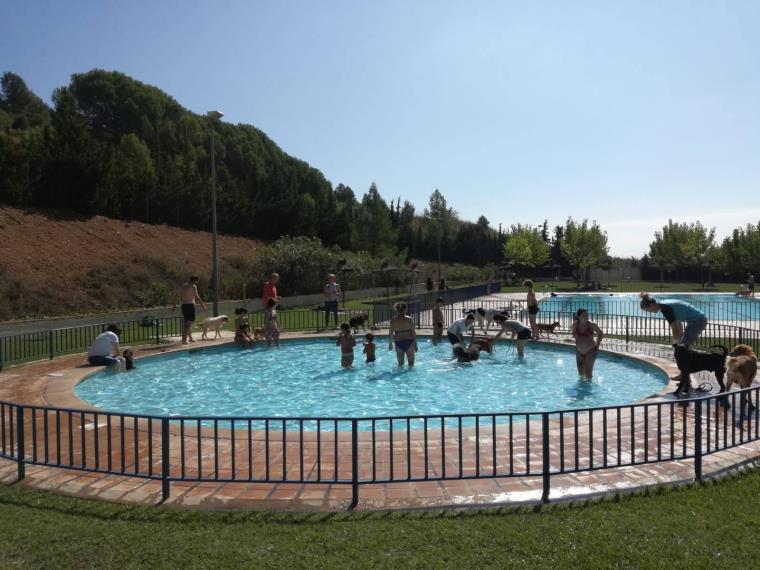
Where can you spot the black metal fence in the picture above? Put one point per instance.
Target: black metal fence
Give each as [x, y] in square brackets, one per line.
[363, 451]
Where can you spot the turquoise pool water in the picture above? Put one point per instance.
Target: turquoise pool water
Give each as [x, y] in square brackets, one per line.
[717, 307]
[304, 378]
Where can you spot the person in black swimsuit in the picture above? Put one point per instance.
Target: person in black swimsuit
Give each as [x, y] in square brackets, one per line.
[532, 308]
[401, 332]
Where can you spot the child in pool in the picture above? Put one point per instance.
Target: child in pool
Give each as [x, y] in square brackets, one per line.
[438, 320]
[346, 342]
[369, 347]
[271, 326]
[243, 334]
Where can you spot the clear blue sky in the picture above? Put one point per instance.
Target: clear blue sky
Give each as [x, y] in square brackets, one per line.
[624, 112]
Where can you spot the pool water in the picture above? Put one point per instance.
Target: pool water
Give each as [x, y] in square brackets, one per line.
[303, 378]
[717, 307]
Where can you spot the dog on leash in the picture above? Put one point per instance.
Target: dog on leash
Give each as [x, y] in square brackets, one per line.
[741, 368]
[549, 328]
[466, 354]
[486, 344]
[129, 360]
[213, 324]
[485, 317]
[690, 361]
[358, 321]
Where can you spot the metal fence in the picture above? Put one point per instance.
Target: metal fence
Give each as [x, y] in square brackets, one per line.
[362, 451]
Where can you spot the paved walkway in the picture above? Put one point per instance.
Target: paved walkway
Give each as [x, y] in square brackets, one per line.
[506, 449]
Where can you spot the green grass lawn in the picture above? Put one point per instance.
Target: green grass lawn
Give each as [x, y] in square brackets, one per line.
[709, 526]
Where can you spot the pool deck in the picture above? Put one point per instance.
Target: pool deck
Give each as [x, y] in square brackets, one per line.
[51, 383]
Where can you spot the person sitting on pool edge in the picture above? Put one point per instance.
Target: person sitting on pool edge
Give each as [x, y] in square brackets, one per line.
[401, 332]
[105, 350]
[243, 334]
[586, 348]
[458, 329]
[677, 313]
[518, 329]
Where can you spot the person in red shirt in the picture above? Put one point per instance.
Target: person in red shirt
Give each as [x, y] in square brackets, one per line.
[270, 290]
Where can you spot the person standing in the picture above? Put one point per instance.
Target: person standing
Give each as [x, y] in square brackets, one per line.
[188, 296]
[401, 333]
[332, 294]
[751, 284]
[270, 290]
[532, 308]
[677, 313]
[438, 322]
[586, 346]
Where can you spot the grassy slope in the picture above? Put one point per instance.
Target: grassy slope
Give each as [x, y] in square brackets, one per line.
[707, 526]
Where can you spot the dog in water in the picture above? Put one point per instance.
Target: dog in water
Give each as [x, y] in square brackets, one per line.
[466, 354]
[486, 344]
[548, 329]
[213, 324]
[690, 361]
[485, 317]
[129, 360]
[358, 321]
[741, 368]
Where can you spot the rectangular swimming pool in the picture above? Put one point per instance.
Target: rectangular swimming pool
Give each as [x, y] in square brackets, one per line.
[717, 307]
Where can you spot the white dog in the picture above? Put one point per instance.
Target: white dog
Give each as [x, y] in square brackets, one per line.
[484, 317]
[215, 324]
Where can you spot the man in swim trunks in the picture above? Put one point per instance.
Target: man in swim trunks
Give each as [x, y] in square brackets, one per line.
[188, 295]
[437, 315]
[459, 327]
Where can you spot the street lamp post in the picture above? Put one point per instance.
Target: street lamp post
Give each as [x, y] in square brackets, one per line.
[214, 116]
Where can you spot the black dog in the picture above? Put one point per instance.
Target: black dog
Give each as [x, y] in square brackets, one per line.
[357, 321]
[129, 359]
[690, 361]
[466, 354]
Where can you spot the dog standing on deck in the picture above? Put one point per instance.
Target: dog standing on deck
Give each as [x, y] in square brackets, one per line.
[741, 367]
[690, 361]
[548, 328]
[215, 324]
[358, 321]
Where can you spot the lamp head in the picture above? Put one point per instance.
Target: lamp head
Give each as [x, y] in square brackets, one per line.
[215, 115]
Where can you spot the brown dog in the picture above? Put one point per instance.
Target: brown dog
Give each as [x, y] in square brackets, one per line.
[549, 329]
[258, 333]
[484, 344]
[741, 367]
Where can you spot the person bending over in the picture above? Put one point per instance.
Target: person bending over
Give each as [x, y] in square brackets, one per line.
[104, 351]
[517, 329]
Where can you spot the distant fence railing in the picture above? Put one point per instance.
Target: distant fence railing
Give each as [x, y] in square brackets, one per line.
[358, 451]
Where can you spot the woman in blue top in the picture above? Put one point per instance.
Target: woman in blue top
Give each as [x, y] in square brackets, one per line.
[677, 313]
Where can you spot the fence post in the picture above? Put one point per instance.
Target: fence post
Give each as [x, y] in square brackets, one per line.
[2, 350]
[20, 442]
[354, 465]
[158, 331]
[546, 464]
[627, 332]
[50, 344]
[697, 440]
[165, 464]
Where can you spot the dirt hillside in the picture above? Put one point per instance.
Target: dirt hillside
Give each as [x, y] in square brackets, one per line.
[53, 263]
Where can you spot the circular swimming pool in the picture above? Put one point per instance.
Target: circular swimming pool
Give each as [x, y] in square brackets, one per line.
[304, 379]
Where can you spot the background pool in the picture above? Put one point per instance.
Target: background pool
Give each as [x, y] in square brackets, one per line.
[303, 378]
[717, 307]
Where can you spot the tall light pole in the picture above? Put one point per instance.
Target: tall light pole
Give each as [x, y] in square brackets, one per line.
[214, 116]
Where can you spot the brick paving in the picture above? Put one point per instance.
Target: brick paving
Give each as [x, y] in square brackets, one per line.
[409, 468]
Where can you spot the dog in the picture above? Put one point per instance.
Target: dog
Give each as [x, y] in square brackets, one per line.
[744, 293]
[215, 324]
[358, 321]
[484, 317]
[741, 367]
[549, 329]
[486, 344]
[690, 361]
[466, 354]
[129, 361]
[258, 333]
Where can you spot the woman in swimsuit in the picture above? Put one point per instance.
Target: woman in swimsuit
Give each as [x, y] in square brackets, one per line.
[243, 334]
[271, 326]
[518, 329]
[438, 320]
[586, 348]
[401, 333]
[532, 309]
[346, 342]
